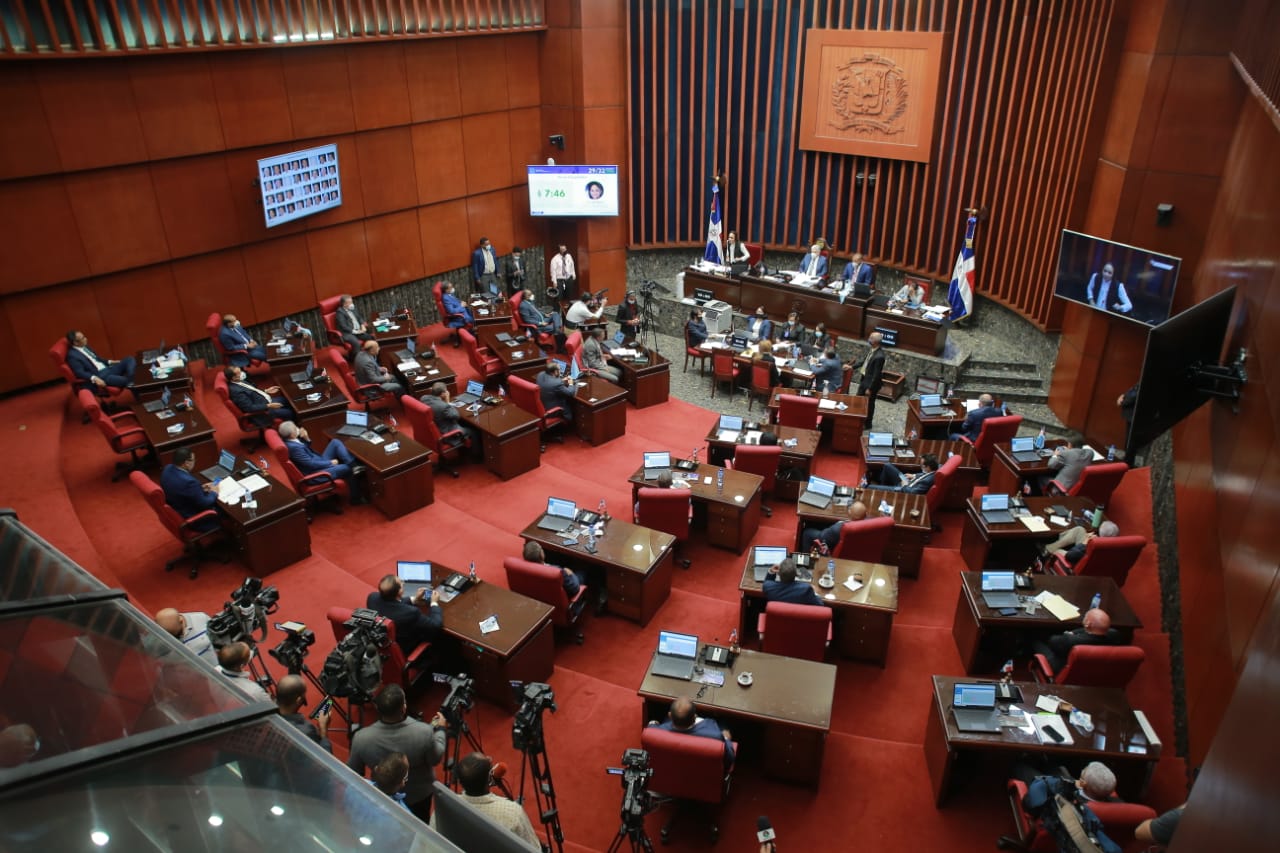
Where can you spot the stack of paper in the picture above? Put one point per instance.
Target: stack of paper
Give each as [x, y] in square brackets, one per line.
[253, 482]
[409, 366]
[1058, 606]
[1034, 523]
[229, 491]
[826, 404]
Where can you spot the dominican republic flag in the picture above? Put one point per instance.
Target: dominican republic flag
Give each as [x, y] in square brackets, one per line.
[960, 295]
[715, 248]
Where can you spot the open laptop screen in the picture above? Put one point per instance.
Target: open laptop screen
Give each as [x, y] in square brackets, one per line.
[413, 571]
[475, 387]
[997, 582]
[880, 439]
[357, 417]
[974, 696]
[732, 422]
[1021, 445]
[657, 459]
[227, 459]
[680, 645]
[559, 363]
[817, 485]
[561, 508]
[994, 502]
[769, 555]
[928, 400]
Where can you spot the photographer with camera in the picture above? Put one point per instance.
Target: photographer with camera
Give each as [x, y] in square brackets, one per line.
[416, 619]
[396, 731]
[291, 696]
[233, 662]
[190, 629]
[474, 772]
[684, 719]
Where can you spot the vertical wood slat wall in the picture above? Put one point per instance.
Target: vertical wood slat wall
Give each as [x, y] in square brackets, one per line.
[716, 88]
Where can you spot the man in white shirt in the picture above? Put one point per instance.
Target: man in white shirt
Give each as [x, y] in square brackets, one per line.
[563, 274]
[190, 629]
[586, 312]
[473, 772]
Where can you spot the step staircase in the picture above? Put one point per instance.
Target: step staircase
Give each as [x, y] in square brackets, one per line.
[1022, 387]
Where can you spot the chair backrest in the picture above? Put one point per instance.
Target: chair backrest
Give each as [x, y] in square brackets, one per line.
[169, 517]
[329, 313]
[525, 395]
[93, 408]
[437, 292]
[1119, 819]
[338, 363]
[515, 300]
[941, 484]
[796, 411]
[685, 766]
[759, 459]
[797, 630]
[761, 376]
[1110, 556]
[847, 378]
[423, 422]
[1100, 666]
[573, 344]
[276, 443]
[337, 617]
[664, 509]
[1099, 481]
[473, 352]
[994, 431]
[755, 252]
[540, 582]
[864, 540]
[213, 324]
[722, 364]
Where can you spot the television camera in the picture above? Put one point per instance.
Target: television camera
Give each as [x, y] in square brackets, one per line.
[244, 615]
[354, 668]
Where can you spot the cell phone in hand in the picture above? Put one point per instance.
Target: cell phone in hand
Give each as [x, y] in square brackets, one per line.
[323, 708]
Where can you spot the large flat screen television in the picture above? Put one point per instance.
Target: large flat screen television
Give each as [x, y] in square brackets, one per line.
[573, 190]
[299, 184]
[1173, 383]
[1124, 281]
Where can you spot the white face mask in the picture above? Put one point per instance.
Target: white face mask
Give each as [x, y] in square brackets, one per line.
[815, 250]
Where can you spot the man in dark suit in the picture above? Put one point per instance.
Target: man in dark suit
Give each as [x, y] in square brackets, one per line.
[514, 271]
[417, 620]
[240, 346]
[531, 315]
[351, 325]
[335, 460]
[893, 480]
[447, 419]
[856, 272]
[870, 375]
[555, 390]
[1095, 631]
[249, 398]
[484, 268]
[185, 493]
[828, 373]
[683, 718]
[90, 367]
[369, 372]
[972, 425]
[786, 588]
[697, 328]
[830, 535]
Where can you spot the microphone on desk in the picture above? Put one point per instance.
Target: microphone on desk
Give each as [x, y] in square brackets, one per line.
[764, 832]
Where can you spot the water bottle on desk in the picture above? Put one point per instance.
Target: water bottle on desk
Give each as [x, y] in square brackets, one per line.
[1039, 442]
[1096, 521]
[603, 511]
[473, 572]
[720, 479]
[1111, 453]
[1096, 602]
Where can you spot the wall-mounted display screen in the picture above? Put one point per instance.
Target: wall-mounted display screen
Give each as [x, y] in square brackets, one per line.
[573, 190]
[299, 184]
[1121, 280]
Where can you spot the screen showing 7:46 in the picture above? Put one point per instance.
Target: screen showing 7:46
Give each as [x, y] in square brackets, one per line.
[573, 190]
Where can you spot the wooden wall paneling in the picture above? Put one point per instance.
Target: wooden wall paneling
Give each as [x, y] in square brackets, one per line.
[196, 204]
[603, 76]
[280, 277]
[1250, 575]
[40, 317]
[555, 62]
[92, 114]
[522, 67]
[446, 236]
[353, 206]
[386, 159]
[118, 217]
[139, 308]
[1197, 116]
[1119, 358]
[488, 215]
[527, 230]
[39, 226]
[26, 138]
[439, 166]
[395, 249]
[340, 259]
[378, 75]
[13, 371]
[253, 99]
[217, 282]
[1129, 87]
[319, 92]
[176, 104]
[482, 81]
[603, 129]
[527, 144]
[486, 147]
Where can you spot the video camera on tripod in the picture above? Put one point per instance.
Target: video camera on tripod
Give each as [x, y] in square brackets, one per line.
[526, 729]
[461, 698]
[354, 668]
[245, 614]
[635, 772]
[292, 650]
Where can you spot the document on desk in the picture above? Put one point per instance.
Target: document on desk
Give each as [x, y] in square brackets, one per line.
[852, 584]
[826, 404]
[1057, 605]
[253, 482]
[1034, 523]
[1045, 723]
[489, 625]
[409, 365]
[714, 677]
[229, 491]
[729, 435]
[752, 436]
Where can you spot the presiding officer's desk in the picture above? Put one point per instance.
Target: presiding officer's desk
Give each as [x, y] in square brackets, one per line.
[985, 638]
[636, 562]
[646, 375]
[522, 649]
[169, 429]
[399, 481]
[962, 481]
[421, 374]
[934, 426]
[1118, 739]
[731, 514]
[911, 525]
[1008, 474]
[511, 436]
[779, 298]
[861, 620]
[274, 534]
[599, 410]
[782, 719]
[846, 424]
[1011, 545]
[319, 397]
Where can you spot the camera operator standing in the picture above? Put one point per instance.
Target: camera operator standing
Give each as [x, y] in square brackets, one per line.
[233, 662]
[291, 695]
[396, 731]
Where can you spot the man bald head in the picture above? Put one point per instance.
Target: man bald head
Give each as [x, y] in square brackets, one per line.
[1097, 622]
[683, 715]
[171, 620]
[874, 339]
[858, 511]
[986, 400]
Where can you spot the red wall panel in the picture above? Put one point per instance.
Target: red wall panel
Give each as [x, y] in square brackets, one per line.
[340, 259]
[486, 146]
[139, 307]
[386, 161]
[176, 105]
[604, 79]
[36, 215]
[118, 217]
[523, 85]
[92, 114]
[482, 81]
[196, 204]
[212, 283]
[40, 317]
[441, 171]
[489, 216]
[395, 249]
[280, 277]
[445, 236]
[26, 141]
[13, 371]
[432, 68]
[319, 92]
[246, 199]
[1197, 116]
[379, 85]
[252, 98]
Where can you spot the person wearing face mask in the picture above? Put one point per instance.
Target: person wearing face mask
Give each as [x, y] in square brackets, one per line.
[759, 327]
[814, 264]
[628, 317]
[563, 274]
[240, 346]
[514, 271]
[791, 332]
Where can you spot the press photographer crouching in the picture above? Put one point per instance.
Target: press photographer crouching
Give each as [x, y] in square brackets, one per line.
[396, 731]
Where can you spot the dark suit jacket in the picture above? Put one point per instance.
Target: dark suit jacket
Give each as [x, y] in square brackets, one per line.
[80, 365]
[919, 486]
[554, 392]
[307, 460]
[973, 423]
[249, 402]
[697, 332]
[412, 625]
[530, 315]
[368, 371]
[796, 592]
[830, 370]
[1060, 645]
[477, 263]
[345, 322]
[864, 273]
[871, 381]
[235, 339]
[183, 492]
[515, 272]
[795, 334]
[453, 305]
[445, 415]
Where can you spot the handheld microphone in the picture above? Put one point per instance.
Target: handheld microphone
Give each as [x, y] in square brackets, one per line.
[764, 831]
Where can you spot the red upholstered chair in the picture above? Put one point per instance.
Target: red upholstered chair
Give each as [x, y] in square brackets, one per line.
[109, 393]
[666, 510]
[723, 370]
[1096, 482]
[1104, 556]
[397, 668]
[546, 340]
[482, 360]
[371, 396]
[761, 382]
[447, 446]
[213, 324]
[847, 379]
[797, 411]
[122, 431]
[941, 485]
[1119, 820]
[451, 322]
[1092, 666]
[546, 584]
[329, 313]
[690, 351]
[994, 431]
[761, 460]
[795, 630]
[525, 395]
[572, 346]
[315, 488]
[688, 769]
[864, 540]
[183, 529]
[244, 420]
[754, 253]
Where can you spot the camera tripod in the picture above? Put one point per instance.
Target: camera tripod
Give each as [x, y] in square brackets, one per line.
[648, 317]
[635, 805]
[305, 672]
[534, 756]
[455, 732]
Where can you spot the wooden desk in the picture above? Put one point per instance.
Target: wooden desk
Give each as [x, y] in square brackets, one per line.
[731, 516]
[798, 459]
[636, 562]
[196, 430]
[399, 327]
[914, 332]
[399, 482]
[1008, 474]
[846, 424]
[498, 314]
[1116, 734]
[292, 352]
[522, 359]
[985, 638]
[934, 426]
[331, 399]
[962, 481]
[861, 621]
[418, 379]
[148, 383]
[522, 649]
[779, 298]
[910, 533]
[511, 437]
[782, 718]
[648, 383]
[1010, 545]
[599, 410]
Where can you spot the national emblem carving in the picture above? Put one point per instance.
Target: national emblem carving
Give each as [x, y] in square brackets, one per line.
[869, 93]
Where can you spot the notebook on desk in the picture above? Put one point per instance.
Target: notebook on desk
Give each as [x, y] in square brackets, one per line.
[676, 655]
[1024, 450]
[818, 492]
[931, 406]
[656, 463]
[764, 558]
[475, 390]
[560, 515]
[879, 446]
[226, 465]
[160, 404]
[995, 509]
[974, 706]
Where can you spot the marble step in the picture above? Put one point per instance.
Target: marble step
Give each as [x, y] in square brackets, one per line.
[983, 366]
[1010, 393]
[1001, 380]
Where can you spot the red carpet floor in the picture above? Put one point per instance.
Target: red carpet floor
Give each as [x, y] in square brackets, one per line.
[874, 790]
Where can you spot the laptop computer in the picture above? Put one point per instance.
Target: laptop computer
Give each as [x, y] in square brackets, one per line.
[997, 590]
[656, 463]
[765, 557]
[503, 337]
[560, 515]
[154, 354]
[574, 371]
[995, 509]
[410, 351]
[161, 403]
[818, 492]
[729, 424]
[931, 406]
[879, 446]
[475, 390]
[676, 655]
[974, 706]
[303, 375]
[226, 465]
[357, 424]
[1024, 450]
[415, 574]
